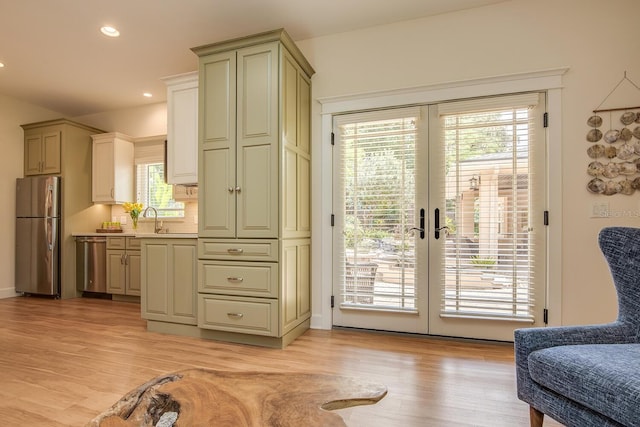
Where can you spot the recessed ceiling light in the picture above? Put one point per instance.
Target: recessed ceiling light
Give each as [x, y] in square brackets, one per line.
[1, 65]
[109, 31]
[147, 95]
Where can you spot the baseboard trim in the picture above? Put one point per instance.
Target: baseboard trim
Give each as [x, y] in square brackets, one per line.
[8, 293]
[317, 322]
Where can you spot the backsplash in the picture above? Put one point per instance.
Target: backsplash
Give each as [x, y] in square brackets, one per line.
[188, 224]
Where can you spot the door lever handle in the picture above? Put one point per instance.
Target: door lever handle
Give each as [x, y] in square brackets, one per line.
[436, 223]
[421, 228]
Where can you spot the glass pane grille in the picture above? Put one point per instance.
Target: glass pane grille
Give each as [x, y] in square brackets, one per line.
[489, 254]
[377, 175]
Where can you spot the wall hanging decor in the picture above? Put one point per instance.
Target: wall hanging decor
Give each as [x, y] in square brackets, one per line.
[614, 148]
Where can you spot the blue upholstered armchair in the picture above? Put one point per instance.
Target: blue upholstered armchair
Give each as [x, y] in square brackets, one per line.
[589, 375]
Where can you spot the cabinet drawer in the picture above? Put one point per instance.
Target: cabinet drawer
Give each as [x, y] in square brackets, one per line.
[133, 243]
[245, 315]
[116, 242]
[247, 279]
[239, 250]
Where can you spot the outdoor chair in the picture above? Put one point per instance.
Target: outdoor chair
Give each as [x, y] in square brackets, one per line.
[359, 280]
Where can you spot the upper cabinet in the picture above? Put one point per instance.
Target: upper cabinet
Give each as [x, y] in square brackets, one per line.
[182, 128]
[112, 168]
[254, 135]
[42, 152]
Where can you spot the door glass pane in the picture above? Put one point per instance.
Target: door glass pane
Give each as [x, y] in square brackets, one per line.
[489, 253]
[377, 173]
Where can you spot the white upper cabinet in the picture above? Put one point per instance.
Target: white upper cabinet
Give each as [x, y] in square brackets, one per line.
[112, 168]
[182, 128]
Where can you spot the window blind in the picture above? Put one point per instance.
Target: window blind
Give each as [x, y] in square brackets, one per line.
[490, 252]
[376, 208]
[151, 189]
[149, 152]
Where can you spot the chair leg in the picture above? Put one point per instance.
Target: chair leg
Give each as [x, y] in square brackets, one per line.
[535, 417]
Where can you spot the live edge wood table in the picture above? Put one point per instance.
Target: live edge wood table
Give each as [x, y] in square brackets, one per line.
[199, 397]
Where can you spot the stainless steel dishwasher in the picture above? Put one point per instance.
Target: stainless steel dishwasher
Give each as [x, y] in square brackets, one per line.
[91, 261]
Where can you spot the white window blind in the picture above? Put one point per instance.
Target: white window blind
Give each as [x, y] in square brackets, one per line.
[490, 251]
[151, 188]
[376, 198]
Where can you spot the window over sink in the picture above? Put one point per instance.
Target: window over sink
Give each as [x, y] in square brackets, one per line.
[151, 188]
[152, 191]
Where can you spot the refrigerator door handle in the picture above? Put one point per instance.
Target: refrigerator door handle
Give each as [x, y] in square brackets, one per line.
[52, 236]
[48, 203]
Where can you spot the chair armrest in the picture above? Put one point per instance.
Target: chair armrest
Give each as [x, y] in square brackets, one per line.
[533, 339]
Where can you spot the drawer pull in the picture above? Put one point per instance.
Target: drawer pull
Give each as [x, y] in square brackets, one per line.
[236, 315]
[235, 251]
[235, 279]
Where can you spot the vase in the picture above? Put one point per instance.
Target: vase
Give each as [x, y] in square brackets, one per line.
[135, 222]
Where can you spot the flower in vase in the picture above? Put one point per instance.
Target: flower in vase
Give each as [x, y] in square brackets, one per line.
[133, 209]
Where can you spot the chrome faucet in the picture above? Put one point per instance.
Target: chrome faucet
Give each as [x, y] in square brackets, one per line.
[156, 228]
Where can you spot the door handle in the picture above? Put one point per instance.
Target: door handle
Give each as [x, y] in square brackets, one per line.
[421, 229]
[436, 223]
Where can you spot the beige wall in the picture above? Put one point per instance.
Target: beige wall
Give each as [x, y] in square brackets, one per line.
[594, 38]
[139, 122]
[13, 114]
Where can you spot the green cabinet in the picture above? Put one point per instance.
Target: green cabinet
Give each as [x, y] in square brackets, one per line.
[254, 187]
[169, 280]
[123, 266]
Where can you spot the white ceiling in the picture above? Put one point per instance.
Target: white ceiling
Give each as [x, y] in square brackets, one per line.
[56, 57]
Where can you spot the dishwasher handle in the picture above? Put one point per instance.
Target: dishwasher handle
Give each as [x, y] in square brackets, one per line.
[91, 239]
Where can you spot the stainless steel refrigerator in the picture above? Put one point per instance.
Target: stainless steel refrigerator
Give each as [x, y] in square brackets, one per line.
[38, 235]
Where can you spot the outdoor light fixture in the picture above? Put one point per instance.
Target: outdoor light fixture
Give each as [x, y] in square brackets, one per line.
[474, 182]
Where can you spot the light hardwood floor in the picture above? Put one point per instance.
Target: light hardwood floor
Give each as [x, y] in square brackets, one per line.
[64, 361]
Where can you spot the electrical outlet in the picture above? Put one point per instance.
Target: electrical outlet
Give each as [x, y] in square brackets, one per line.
[600, 210]
[123, 219]
[195, 219]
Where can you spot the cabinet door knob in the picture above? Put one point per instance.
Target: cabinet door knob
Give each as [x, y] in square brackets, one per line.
[230, 189]
[235, 250]
[236, 315]
[238, 189]
[235, 279]
[122, 259]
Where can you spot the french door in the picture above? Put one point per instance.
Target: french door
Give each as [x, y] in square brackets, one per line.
[439, 218]
[380, 253]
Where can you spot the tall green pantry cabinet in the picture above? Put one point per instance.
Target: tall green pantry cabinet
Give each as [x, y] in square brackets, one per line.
[254, 219]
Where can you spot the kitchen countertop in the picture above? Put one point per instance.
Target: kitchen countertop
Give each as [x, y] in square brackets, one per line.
[142, 235]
